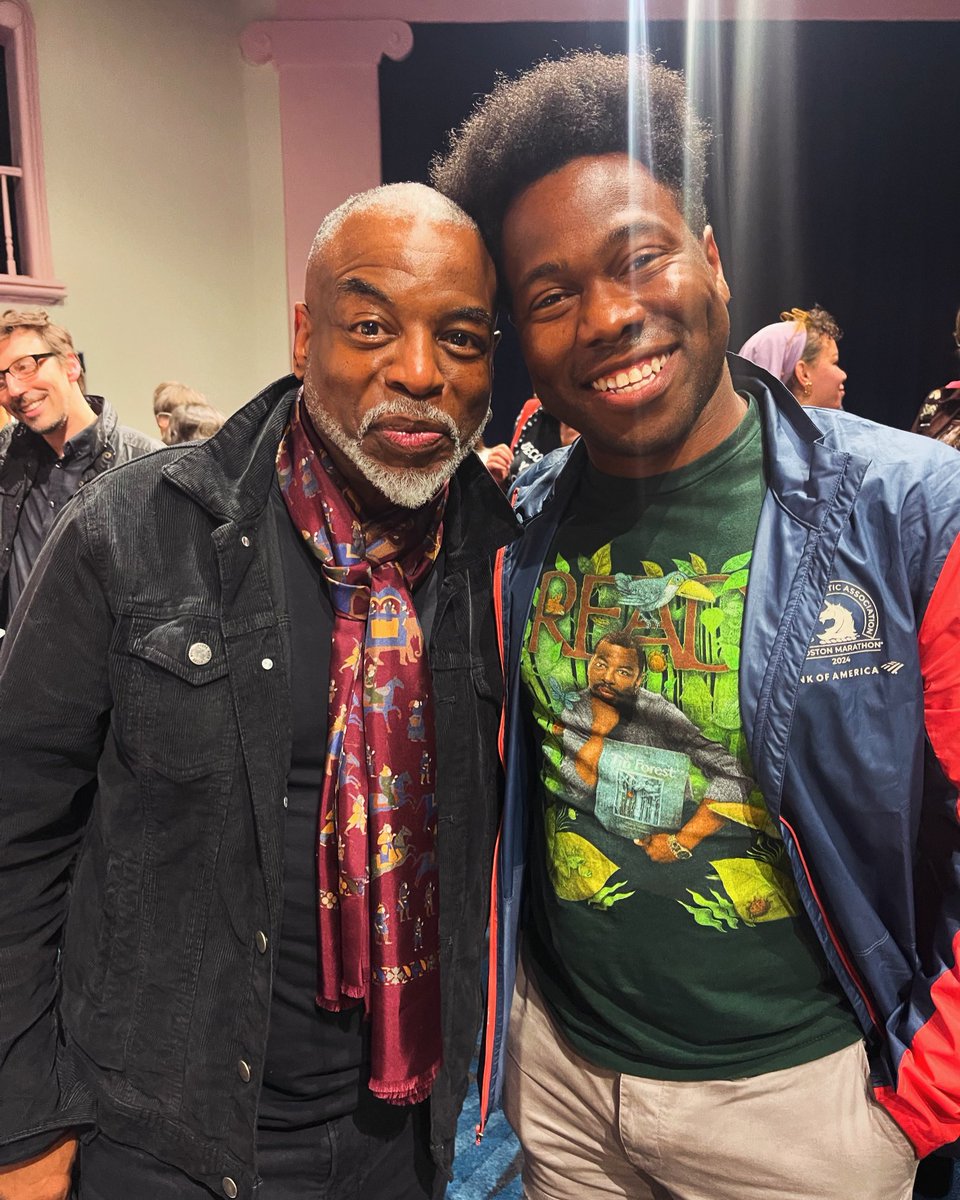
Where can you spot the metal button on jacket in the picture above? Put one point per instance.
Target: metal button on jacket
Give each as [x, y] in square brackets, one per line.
[261, 939]
[200, 654]
[229, 1187]
[267, 664]
[243, 1070]
[245, 542]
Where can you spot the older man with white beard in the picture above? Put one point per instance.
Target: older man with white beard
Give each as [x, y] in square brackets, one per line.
[283, 668]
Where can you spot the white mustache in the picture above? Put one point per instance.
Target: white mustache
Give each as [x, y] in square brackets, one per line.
[414, 412]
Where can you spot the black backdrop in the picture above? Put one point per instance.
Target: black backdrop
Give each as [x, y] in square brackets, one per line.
[835, 174]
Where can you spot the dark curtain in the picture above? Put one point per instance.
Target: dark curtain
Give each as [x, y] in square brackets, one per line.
[835, 174]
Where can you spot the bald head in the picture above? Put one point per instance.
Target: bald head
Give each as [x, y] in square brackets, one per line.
[401, 201]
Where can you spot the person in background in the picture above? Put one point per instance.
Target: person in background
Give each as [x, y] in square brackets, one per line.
[171, 395]
[497, 461]
[801, 351]
[6, 430]
[939, 415]
[191, 423]
[62, 439]
[535, 434]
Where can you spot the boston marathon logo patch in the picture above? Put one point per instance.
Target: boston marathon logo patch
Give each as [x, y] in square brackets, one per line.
[847, 623]
[847, 628]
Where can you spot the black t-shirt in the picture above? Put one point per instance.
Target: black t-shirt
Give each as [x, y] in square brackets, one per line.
[316, 1061]
[664, 928]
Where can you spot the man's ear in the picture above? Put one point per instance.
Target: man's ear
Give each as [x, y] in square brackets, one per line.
[301, 338]
[73, 368]
[712, 255]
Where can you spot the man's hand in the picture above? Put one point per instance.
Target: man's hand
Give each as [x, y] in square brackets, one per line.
[497, 460]
[46, 1176]
[657, 846]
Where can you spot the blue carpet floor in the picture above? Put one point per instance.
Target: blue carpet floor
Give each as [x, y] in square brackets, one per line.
[492, 1169]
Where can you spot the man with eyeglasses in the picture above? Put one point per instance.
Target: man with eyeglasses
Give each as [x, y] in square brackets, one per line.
[62, 439]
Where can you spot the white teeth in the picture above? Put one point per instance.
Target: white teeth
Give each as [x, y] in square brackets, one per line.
[630, 378]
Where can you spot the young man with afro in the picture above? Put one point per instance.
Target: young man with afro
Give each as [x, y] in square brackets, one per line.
[723, 992]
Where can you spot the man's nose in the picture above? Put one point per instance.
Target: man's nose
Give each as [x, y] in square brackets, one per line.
[414, 369]
[608, 310]
[16, 387]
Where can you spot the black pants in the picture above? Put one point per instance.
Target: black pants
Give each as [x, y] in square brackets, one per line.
[350, 1158]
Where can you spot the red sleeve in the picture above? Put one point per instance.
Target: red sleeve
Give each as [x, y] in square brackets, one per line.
[526, 413]
[940, 665]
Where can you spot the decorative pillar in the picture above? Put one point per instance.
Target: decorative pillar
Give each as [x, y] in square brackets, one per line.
[329, 116]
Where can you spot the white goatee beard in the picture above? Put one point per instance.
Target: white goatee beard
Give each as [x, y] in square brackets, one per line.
[408, 487]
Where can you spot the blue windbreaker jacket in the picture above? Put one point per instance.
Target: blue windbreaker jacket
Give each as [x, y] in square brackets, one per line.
[856, 748]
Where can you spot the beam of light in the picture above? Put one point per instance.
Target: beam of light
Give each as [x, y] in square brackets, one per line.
[638, 46]
[704, 71]
[759, 155]
[742, 76]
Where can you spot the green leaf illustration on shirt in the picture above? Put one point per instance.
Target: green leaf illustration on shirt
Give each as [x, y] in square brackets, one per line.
[735, 563]
[737, 580]
[578, 870]
[599, 563]
[717, 913]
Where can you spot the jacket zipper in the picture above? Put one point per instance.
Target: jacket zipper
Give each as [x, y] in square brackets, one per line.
[492, 955]
[492, 989]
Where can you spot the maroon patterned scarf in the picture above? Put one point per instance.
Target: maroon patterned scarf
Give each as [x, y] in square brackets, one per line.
[376, 846]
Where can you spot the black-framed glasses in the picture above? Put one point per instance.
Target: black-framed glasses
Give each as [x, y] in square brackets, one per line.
[24, 368]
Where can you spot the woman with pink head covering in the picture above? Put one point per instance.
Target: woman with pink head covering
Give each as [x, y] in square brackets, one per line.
[801, 350]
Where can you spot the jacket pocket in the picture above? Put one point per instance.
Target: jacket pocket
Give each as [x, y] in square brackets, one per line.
[173, 695]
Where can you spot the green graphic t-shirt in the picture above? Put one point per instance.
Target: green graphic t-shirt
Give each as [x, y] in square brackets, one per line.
[664, 928]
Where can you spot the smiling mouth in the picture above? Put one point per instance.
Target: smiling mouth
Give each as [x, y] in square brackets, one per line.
[632, 378]
[26, 408]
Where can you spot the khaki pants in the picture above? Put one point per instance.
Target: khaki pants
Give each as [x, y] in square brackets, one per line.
[812, 1132]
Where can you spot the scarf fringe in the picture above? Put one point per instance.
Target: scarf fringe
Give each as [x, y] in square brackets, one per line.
[410, 1091]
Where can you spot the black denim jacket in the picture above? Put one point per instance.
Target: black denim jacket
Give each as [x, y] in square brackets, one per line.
[144, 746]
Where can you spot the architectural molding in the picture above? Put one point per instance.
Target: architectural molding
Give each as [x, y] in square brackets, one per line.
[329, 116]
[483, 11]
[305, 43]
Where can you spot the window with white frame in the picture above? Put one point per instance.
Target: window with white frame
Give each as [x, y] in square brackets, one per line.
[26, 265]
